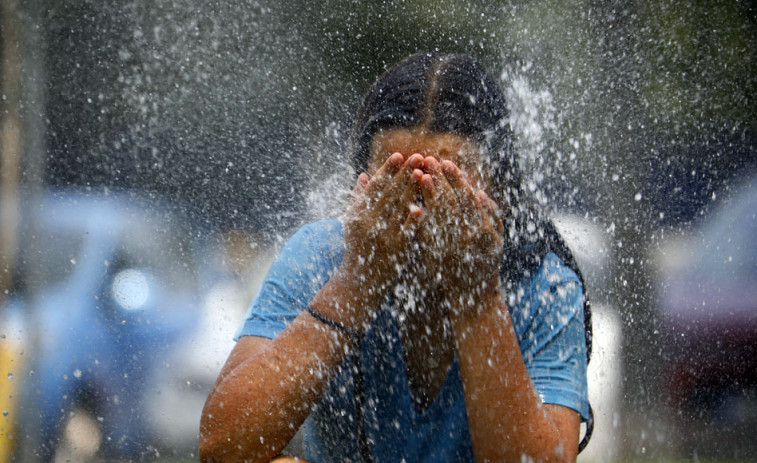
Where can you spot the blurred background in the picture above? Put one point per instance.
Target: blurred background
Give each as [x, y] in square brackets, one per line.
[154, 155]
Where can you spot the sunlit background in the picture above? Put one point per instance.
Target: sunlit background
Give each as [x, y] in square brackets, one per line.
[156, 153]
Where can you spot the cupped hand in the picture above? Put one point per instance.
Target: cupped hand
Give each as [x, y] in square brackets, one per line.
[461, 236]
[381, 224]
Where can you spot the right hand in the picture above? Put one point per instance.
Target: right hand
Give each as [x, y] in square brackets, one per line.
[461, 237]
[381, 223]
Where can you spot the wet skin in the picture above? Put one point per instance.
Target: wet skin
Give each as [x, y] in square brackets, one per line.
[420, 212]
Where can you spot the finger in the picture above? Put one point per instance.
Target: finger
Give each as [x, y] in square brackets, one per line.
[456, 178]
[412, 221]
[385, 173]
[466, 196]
[362, 181]
[430, 164]
[399, 179]
[394, 161]
[417, 177]
[406, 170]
[358, 200]
[489, 204]
[433, 181]
[367, 195]
[392, 201]
[428, 189]
[415, 161]
[492, 211]
[384, 190]
[440, 204]
[409, 195]
[483, 200]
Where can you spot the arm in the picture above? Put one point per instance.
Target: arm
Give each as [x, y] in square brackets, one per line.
[267, 389]
[505, 414]
[506, 417]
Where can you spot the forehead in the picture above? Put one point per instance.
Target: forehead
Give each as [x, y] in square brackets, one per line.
[443, 145]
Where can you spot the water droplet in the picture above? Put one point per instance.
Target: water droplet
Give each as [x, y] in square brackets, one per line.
[10, 375]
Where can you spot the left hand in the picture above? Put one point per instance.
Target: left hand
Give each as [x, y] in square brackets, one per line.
[461, 236]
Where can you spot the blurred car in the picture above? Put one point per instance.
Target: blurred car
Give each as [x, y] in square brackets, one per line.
[238, 260]
[707, 298]
[110, 283]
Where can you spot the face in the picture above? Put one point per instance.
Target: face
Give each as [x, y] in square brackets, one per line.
[443, 146]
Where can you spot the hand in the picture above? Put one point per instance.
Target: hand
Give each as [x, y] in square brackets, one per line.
[461, 236]
[381, 223]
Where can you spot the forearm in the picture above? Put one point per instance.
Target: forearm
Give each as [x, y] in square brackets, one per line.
[256, 407]
[506, 417]
[254, 411]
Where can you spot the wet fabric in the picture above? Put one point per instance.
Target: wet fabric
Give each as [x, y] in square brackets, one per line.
[547, 314]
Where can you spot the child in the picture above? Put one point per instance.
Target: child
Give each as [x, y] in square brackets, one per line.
[432, 324]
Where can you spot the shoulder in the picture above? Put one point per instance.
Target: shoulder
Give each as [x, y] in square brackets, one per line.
[301, 268]
[323, 232]
[551, 274]
[547, 299]
[316, 240]
[310, 255]
[554, 271]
